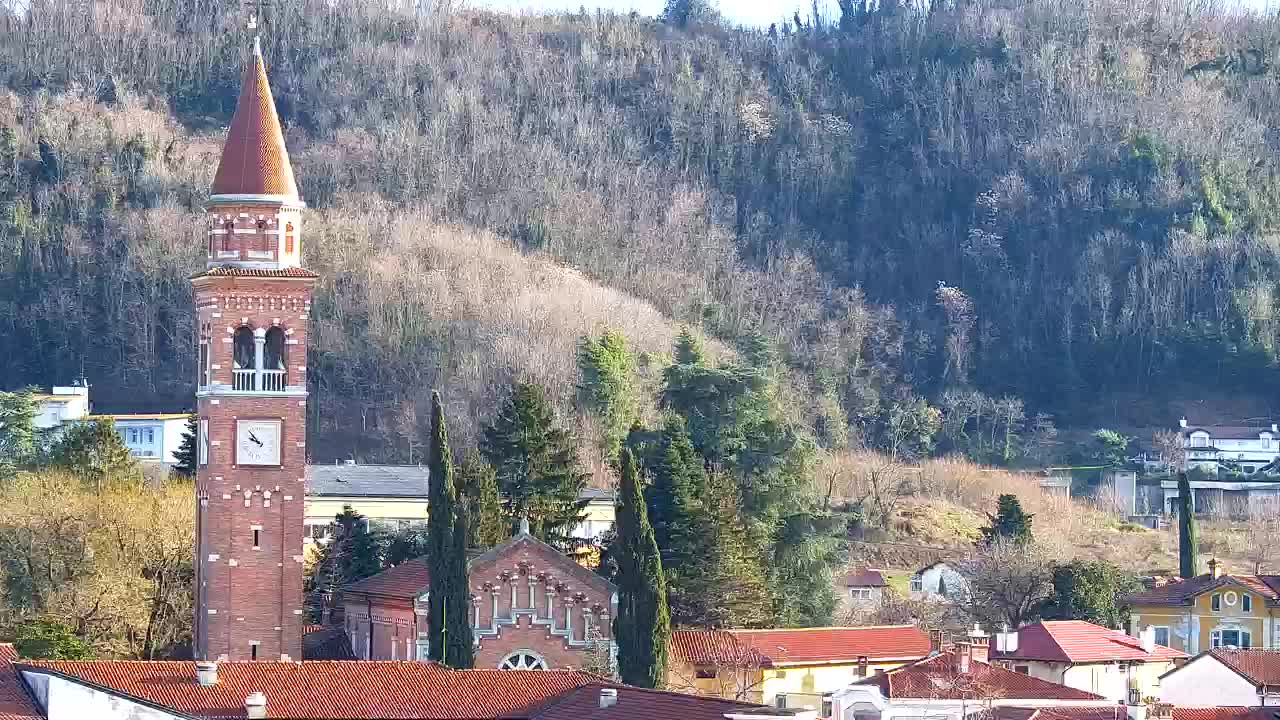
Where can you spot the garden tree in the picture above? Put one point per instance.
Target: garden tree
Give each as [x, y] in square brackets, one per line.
[1008, 582]
[606, 388]
[449, 605]
[536, 461]
[807, 546]
[94, 450]
[1090, 590]
[17, 429]
[50, 639]
[113, 563]
[1188, 541]
[487, 525]
[642, 627]
[405, 544]
[1108, 447]
[1009, 523]
[677, 482]
[352, 553]
[188, 454]
[726, 586]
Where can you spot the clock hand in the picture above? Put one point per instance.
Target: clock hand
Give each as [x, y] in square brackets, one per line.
[255, 438]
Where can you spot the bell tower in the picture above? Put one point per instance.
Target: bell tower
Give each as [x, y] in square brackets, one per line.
[252, 302]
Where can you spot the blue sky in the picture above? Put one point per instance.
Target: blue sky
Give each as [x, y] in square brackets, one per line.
[747, 12]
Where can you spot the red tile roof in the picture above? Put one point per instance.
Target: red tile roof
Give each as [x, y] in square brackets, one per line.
[800, 646]
[408, 579]
[865, 578]
[936, 678]
[637, 704]
[1261, 667]
[1059, 712]
[333, 690]
[254, 159]
[15, 703]
[234, 271]
[1183, 592]
[1223, 713]
[1077, 641]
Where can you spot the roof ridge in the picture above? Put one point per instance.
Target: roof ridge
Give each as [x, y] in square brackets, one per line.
[807, 629]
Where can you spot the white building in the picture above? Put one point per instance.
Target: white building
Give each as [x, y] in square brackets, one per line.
[938, 581]
[151, 437]
[1249, 447]
[1239, 678]
[62, 405]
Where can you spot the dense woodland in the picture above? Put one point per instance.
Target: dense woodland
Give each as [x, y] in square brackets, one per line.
[1024, 204]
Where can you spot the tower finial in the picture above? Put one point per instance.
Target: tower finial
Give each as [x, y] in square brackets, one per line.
[524, 525]
[255, 10]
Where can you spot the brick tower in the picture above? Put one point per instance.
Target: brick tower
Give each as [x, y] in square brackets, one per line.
[252, 302]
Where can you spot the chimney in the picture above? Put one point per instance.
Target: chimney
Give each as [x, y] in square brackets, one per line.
[1148, 639]
[979, 644]
[937, 638]
[608, 697]
[1162, 711]
[1215, 568]
[206, 673]
[255, 706]
[961, 655]
[862, 666]
[1183, 422]
[1007, 641]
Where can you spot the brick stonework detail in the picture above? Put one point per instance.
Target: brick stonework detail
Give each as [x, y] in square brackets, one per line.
[246, 595]
[533, 570]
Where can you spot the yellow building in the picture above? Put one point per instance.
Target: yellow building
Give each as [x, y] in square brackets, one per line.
[789, 668]
[1211, 610]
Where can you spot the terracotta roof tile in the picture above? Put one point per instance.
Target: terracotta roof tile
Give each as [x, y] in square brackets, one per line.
[1223, 713]
[15, 703]
[937, 679]
[235, 271]
[254, 159]
[800, 646]
[408, 579]
[1077, 641]
[1261, 667]
[333, 690]
[1179, 592]
[637, 704]
[1108, 712]
[865, 578]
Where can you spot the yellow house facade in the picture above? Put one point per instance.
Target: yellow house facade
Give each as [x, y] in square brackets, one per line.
[1211, 611]
[787, 668]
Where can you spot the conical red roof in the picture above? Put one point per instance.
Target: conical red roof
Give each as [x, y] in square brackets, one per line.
[254, 159]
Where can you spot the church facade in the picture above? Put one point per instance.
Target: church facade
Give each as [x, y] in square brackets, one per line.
[252, 304]
[532, 608]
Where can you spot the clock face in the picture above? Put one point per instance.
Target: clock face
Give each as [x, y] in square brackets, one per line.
[258, 442]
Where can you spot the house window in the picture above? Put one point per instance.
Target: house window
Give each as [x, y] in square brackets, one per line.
[826, 706]
[917, 583]
[131, 436]
[1234, 637]
[1024, 669]
[288, 238]
[1246, 603]
[1215, 603]
[253, 651]
[149, 435]
[780, 701]
[1199, 441]
[860, 593]
[1162, 635]
[523, 660]
[705, 672]
[256, 538]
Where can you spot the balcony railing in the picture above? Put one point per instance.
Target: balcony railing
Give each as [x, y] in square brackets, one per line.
[251, 380]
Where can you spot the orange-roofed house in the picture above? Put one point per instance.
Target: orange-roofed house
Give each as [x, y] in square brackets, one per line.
[793, 668]
[959, 684]
[1238, 677]
[1088, 657]
[1216, 609]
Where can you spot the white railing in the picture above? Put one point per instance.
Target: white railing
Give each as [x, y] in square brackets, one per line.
[245, 379]
[272, 381]
[251, 380]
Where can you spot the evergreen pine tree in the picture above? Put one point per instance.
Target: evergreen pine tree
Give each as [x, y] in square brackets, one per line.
[447, 605]
[487, 525]
[351, 554]
[1188, 560]
[606, 367]
[1009, 523]
[537, 465]
[94, 449]
[187, 451]
[642, 627]
[725, 585]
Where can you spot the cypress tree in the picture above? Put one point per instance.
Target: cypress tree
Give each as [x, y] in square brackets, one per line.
[486, 524]
[642, 626]
[447, 605]
[537, 465]
[1188, 562]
